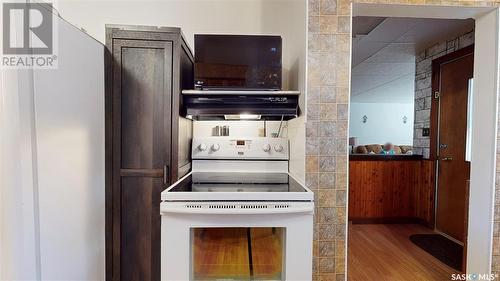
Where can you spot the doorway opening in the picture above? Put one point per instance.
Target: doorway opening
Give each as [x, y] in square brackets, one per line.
[415, 162]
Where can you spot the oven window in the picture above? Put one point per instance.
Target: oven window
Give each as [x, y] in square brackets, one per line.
[238, 253]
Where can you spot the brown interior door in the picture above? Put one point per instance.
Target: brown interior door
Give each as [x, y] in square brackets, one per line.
[451, 82]
[142, 118]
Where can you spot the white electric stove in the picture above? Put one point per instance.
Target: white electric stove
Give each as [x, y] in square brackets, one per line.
[239, 215]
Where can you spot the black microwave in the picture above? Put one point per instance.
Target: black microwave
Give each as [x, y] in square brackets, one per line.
[237, 62]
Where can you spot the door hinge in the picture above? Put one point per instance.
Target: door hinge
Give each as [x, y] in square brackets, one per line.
[437, 95]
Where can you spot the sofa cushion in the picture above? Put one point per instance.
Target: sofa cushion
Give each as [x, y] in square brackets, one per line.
[397, 149]
[361, 150]
[376, 148]
[405, 148]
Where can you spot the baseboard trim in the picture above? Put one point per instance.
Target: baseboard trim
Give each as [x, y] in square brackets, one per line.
[388, 220]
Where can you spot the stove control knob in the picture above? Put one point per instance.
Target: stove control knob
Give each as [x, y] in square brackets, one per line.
[215, 147]
[278, 148]
[202, 147]
[266, 147]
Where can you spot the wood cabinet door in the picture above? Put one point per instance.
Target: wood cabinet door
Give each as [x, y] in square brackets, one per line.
[142, 120]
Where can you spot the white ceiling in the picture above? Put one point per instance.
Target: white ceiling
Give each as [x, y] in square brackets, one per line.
[384, 54]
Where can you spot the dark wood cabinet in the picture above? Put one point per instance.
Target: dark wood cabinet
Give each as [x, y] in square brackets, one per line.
[147, 142]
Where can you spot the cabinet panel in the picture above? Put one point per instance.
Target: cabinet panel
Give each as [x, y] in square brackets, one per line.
[185, 125]
[388, 191]
[146, 69]
[142, 124]
[140, 228]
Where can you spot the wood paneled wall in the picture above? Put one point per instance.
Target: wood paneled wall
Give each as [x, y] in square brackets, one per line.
[423, 193]
[391, 191]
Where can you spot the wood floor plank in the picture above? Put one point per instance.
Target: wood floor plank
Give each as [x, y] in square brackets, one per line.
[221, 253]
[267, 252]
[383, 252]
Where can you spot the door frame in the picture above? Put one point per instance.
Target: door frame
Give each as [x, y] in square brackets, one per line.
[485, 112]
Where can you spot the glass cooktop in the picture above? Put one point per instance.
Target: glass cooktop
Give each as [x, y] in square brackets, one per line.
[238, 182]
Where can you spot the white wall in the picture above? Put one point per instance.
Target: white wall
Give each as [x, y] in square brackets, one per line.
[18, 230]
[384, 123]
[193, 16]
[289, 18]
[241, 128]
[19, 247]
[52, 181]
[485, 152]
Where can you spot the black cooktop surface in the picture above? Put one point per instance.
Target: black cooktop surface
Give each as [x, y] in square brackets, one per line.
[238, 182]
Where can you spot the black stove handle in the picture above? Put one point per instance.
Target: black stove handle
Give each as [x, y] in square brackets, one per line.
[165, 174]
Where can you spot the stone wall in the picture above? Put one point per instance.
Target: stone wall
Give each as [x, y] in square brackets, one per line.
[326, 132]
[423, 84]
[326, 129]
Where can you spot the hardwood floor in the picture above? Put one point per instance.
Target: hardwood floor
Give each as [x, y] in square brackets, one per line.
[224, 253]
[384, 252]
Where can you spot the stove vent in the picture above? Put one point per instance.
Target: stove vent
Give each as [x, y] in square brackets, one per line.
[237, 206]
[222, 207]
[281, 206]
[253, 207]
[194, 206]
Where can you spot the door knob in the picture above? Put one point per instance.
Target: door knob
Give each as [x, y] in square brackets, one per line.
[447, 158]
[443, 146]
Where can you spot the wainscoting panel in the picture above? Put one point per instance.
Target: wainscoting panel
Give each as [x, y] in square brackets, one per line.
[391, 191]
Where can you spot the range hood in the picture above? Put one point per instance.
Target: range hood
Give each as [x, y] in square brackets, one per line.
[240, 105]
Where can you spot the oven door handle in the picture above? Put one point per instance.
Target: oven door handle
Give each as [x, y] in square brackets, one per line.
[166, 209]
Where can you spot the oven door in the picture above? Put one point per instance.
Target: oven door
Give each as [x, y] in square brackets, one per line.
[244, 246]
